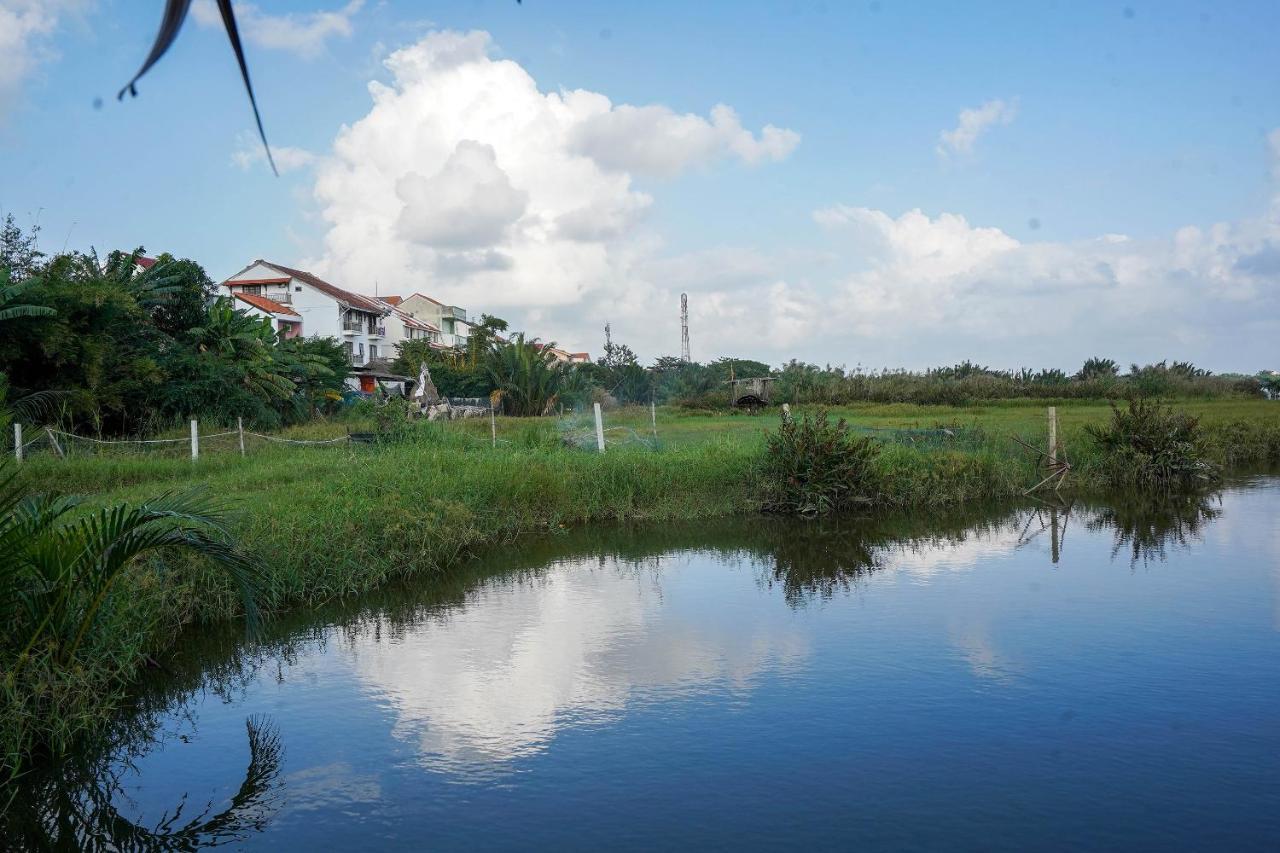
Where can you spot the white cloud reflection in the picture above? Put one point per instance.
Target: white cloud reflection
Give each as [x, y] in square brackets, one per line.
[492, 682]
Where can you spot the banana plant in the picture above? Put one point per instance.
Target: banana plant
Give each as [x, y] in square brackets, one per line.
[10, 291]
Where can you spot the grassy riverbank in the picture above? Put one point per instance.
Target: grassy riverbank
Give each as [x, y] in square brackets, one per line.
[342, 519]
[338, 520]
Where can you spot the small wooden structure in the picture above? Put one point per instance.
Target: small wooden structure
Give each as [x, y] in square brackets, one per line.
[750, 394]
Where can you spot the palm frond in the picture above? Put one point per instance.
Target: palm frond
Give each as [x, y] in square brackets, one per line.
[175, 14]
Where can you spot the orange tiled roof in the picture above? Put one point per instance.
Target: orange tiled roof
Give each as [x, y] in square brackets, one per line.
[262, 303]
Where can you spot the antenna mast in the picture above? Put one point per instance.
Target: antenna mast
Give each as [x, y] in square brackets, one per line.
[684, 328]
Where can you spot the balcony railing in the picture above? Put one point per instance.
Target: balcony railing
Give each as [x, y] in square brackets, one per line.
[357, 359]
[453, 312]
[378, 331]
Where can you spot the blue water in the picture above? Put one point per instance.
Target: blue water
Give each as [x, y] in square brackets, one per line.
[877, 684]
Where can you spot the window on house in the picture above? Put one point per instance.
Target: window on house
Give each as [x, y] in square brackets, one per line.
[373, 351]
[255, 289]
[347, 346]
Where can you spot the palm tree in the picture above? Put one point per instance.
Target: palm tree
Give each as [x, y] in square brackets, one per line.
[249, 344]
[526, 375]
[60, 565]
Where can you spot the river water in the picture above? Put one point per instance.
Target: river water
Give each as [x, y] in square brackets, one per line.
[1093, 676]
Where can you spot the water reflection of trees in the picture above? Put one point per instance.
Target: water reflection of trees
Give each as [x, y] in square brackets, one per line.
[76, 806]
[823, 558]
[1146, 526]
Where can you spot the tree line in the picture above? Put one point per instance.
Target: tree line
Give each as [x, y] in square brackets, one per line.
[104, 346]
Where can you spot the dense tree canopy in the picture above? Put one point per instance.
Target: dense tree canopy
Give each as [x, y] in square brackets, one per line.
[121, 349]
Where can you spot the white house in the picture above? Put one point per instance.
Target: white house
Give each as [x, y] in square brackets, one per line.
[449, 319]
[402, 326]
[318, 308]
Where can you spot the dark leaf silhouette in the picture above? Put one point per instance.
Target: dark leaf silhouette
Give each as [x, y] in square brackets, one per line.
[175, 14]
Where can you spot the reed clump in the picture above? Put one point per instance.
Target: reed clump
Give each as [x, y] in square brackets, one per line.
[1148, 444]
[812, 466]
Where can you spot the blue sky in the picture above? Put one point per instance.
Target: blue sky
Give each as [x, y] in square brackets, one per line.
[1135, 119]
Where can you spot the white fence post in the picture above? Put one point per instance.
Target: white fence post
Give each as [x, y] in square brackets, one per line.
[57, 448]
[195, 439]
[1053, 435]
[599, 429]
[17, 442]
[493, 426]
[240, 429]
[653, 417]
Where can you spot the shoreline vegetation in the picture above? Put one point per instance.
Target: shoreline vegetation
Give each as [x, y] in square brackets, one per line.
[331, 522]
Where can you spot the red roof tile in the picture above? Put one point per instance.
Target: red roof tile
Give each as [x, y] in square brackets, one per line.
[145, 262]
[262, 303]
[392, 300]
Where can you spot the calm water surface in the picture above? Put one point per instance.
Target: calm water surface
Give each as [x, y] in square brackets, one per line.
[1025, 679]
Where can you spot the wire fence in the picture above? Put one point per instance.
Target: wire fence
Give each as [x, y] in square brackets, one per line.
[581, 430]
[37, 442]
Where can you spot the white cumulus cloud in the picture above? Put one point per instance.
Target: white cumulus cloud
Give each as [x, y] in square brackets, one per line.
[304, 34]
[973, 122]
[25, 30]
[467, 181]
[468, 204]
[658, 141]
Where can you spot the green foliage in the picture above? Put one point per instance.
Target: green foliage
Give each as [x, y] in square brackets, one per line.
[188, 290]
[1269, 383]
[1097, 368]
[454, 374]
[813, 467]
[61, 568]
[11, 309]
[1147, 444]
[525, 375]
[131, 352]
[481, 338]
[19, 255]
[968, 383]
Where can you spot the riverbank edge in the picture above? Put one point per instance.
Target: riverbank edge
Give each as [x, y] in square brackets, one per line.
[418, 508]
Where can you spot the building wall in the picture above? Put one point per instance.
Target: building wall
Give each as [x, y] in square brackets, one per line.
[424, 309]
[453, 332]
[321, 313]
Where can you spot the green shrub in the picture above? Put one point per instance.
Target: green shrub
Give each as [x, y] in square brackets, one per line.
[1152, 445]
[65, 644]
[812, 467]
